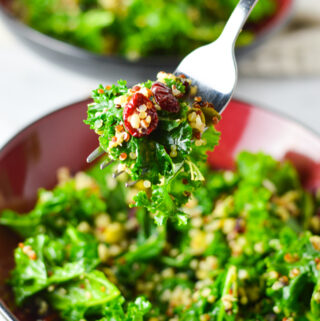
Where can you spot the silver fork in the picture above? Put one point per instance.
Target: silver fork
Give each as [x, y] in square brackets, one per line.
[212, 68]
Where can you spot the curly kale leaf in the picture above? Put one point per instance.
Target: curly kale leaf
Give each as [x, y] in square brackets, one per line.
[54, 210]
[224, 307]
[41, 261]
[135, 311]
[177, 83]
[257, 168]
[211, 138]
[152, 161]
[216, 183]
[85, 296]
[180, 136]
[103, 113]
[167, 199]
[150, 239]
[25, 225]
[111, 189]
[109, 92]
[293, 274]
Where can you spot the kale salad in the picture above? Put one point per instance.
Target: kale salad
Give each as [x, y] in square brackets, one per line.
[158, 132]
[136, 28]
[154, 234]
[249, 250]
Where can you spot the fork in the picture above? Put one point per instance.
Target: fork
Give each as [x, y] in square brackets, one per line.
[212, 68]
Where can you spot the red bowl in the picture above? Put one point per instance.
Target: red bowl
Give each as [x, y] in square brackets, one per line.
[31, 158]
[76, 58]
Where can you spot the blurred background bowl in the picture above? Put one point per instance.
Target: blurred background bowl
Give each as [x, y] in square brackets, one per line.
[30, 160]
[97, 65]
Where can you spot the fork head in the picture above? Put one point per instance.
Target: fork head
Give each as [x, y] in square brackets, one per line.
[213, 69]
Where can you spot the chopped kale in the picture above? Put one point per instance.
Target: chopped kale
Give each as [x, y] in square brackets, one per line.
[237, 246]
[158, 137]
[69, 203]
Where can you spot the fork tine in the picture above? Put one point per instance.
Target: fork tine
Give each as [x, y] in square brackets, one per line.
[130, 184]
[95, 154]
[105, 164]
[115, 175]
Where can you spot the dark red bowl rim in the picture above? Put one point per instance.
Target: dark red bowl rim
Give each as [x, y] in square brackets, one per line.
[37, 120]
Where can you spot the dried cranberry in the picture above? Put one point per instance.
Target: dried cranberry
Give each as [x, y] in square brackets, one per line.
[140, 116]
[165, 98]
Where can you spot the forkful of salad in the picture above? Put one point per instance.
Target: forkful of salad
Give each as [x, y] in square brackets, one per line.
[158, 132]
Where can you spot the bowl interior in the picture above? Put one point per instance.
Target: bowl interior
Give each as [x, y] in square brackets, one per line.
[31, 158]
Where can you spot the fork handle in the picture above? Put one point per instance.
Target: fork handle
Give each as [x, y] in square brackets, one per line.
[237, 20]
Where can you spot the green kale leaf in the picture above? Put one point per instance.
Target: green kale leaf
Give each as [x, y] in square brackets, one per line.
[55, 210]
[41, 262]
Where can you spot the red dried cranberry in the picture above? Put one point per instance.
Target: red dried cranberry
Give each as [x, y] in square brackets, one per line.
[165, 98]
[140, 116]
